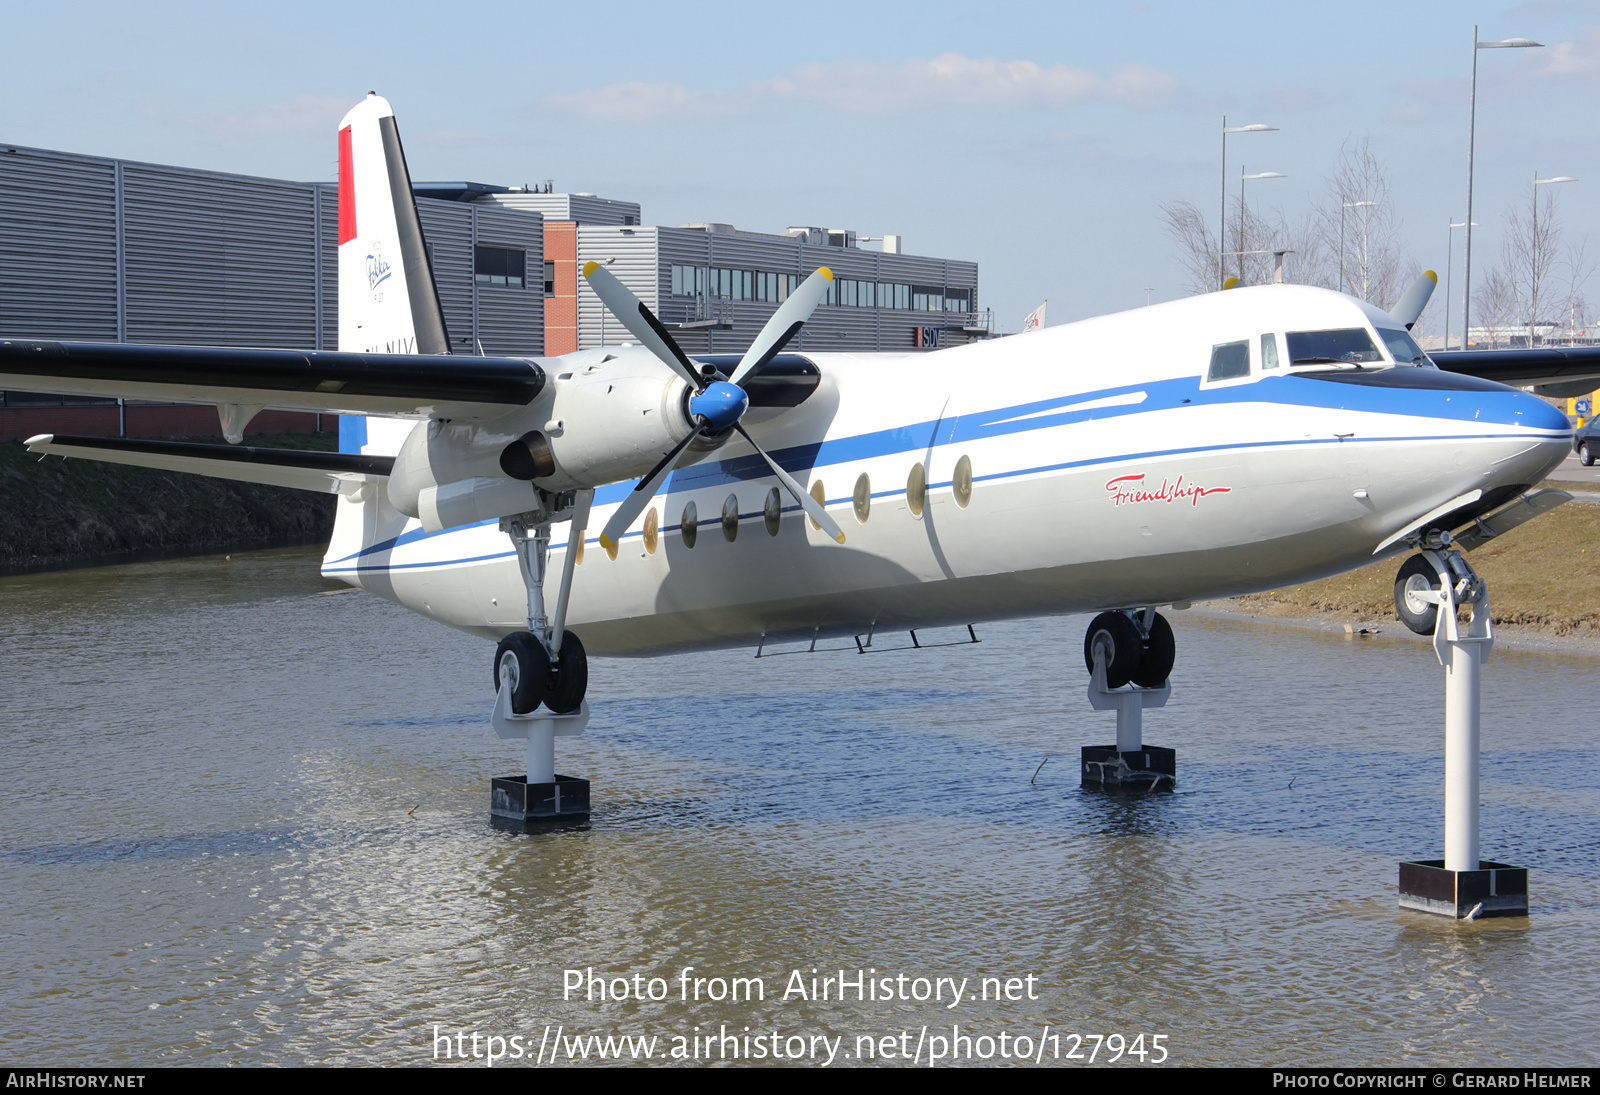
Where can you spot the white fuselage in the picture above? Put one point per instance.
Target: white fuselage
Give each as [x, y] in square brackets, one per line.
[1106, 471]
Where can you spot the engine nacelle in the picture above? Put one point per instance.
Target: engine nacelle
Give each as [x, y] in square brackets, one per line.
[606, 418]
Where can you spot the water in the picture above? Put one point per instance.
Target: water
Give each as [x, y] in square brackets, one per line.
[245, 821]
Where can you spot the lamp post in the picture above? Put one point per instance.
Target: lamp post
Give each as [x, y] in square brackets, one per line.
[1343, 207]
[1472, 132]
[1242, 178]
[1534, 257]
[1449, 264]
[1222, 218]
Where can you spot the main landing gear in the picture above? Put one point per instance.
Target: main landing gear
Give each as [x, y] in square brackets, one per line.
[542, 666]
[1129, 655]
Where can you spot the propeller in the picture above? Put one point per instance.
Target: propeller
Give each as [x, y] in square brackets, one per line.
[1409, 308]
[716, 406]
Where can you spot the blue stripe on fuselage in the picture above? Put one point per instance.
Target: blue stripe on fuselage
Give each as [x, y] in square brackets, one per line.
[1508, 408]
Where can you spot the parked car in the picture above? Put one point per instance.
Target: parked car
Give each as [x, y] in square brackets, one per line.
[1586, 442]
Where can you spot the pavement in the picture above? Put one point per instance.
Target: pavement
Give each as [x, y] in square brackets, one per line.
[1571, 471]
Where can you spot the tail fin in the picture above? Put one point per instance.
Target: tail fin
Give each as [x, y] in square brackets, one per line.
[388, 302]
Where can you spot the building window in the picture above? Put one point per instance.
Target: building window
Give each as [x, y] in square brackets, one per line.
[927, 298]
[958, 300]
[499, 266]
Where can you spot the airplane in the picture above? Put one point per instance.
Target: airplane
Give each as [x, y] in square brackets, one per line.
[1208, 447]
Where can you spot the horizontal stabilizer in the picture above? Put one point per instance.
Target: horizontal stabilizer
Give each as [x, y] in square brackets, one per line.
[327, 472]
[322, 381]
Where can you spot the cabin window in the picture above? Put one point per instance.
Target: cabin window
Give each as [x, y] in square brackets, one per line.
[730, 518]
[691, 525]
[917, 489]
[1350, 346]
[821, 495]
[1229, 361]
[1403, 347]
[652, 530]
[1269, 352]
[772, 512]
[863, 498]
[961, 485]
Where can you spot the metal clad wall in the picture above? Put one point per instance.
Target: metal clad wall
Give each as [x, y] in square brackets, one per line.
[511, 321]
[217, 259]
[636, 266]
[584, 208]
[447, 227]
[58, 246]
[329, 263]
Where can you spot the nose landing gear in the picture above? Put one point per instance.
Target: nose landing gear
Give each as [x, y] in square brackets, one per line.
[1129, 656]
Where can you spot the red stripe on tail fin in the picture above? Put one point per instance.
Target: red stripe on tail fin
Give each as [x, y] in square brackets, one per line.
[347, 188]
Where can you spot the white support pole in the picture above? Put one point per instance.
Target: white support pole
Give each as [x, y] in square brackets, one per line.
[1462, 657]
[541, 751]
[1461, 757]
[1130, 706]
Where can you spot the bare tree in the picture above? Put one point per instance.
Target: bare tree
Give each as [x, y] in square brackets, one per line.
[1197, 247]
[1359, 229]
[1495, 303]
[1529, 253]
[1580, 268]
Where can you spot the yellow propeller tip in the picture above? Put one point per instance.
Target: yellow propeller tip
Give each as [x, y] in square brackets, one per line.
[840, 537]
[1230, 283]
[825, 272]
[589, 268]
[1431, 276]
[605, 541]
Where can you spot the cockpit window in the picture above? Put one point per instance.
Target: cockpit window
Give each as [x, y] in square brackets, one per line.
[1229, 361]
[1403, 347]
[1269, 351]
[1351, 345]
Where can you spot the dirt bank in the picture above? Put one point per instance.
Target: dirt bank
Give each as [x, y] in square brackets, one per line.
[57, 512]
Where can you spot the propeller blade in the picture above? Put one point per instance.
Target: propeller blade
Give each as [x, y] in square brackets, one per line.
[640, 321]
[784, 324]
[1409, 309]
[812, 507]
[638, 498]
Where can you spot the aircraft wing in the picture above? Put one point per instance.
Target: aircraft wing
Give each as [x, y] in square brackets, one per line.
[1576, 368]
[323, 381]
[328, 472]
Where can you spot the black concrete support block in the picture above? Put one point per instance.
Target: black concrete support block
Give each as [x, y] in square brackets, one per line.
[1148, 769]
[1494, 889]
[515, 798]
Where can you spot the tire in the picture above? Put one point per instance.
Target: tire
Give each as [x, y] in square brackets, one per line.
[1160, 651]
[571, 676]
[1585, 457]
[522, 657]
[1416, 575]
[1126, 647]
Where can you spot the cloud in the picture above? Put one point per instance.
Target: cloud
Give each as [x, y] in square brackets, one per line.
[1579, 58]
[301, 114]
[870, 87]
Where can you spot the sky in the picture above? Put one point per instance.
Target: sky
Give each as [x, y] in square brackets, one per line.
[1038, 139]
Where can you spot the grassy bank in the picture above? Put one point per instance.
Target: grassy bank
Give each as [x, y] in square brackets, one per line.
[1539, 575]
[57, 512]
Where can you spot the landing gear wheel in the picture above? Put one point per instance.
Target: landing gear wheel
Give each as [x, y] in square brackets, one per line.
[1416, 576]
[1124, 647]
[1585, 457]
[521, 660]
[1160, 651]
[570, 676]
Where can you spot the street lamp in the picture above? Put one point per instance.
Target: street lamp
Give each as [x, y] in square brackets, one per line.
[1449, 264]
[1242, 178]
[1534, 247]
[1472, 132]
[1351, 205]
[1222, 218]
